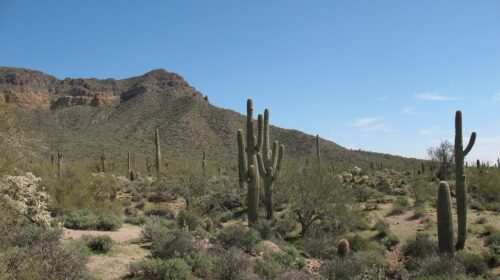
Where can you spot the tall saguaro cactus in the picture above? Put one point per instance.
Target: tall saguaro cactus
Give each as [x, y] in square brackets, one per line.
[269, 163]
[444, 220]
[103, 161]
[318, 156]
[158, 155]
[59, 163]
[461, 187]
[247, 159]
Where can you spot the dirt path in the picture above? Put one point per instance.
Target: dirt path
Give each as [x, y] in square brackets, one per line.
[114, 264]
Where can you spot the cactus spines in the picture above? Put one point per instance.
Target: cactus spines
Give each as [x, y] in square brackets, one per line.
[444, 220]
[247, 159]
[344, 249]
[461, 187]
[59, 163]
[158, 155]
[269, 163]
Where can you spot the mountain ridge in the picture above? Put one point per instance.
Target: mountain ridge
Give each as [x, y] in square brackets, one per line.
[84, 116]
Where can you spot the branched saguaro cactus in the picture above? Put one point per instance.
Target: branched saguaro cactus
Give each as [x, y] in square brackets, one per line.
[444, 220]
[461, 187]
[247, 160]
[158, 155]
[269, 163]
[103, 161]
[59, 163]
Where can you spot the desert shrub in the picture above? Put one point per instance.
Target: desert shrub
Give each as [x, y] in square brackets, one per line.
[472, 263]
[359, 243]
[136, 197]
[442, 267]
[285, 225]
[78, 245]
[365, 193]
[265, 269]
[482, 221]
[154, 226]
[108, 222]
[138, 220]
[140, 204]
[239, 236]
[383, 185]
[233, 265]
[492, 256]
[382, 226]
[492, 236]
[130, 211]
[399, 207]
[319, 246]
[171, 269]
[98, 244]
[418, 212]
[390, 241]
[173, 243]
[205, 266]
[360, 263]
[282, 259]
[83, 219]
[32, 252]
[160, 212]
[485, 187]
[157, 196]
[76, 190]
[420, 247]
[189, 218]
[264, 228]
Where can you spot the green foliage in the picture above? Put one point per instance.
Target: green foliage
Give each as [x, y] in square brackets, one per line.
[359, 264]
[173, 243]
[400, 206]
[98, 244]
[239, 236]
[78, 190]
[82, 219]
[263, 227]
[171, 269]
[160, 212]
[233, 265]
[190, 218]
[484, 187]
[473, 264]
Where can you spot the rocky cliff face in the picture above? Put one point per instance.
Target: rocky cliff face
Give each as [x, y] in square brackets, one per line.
[34, 89]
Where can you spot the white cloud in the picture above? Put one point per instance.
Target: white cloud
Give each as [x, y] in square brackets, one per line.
[374, 124]
[433, 96]
[408, 110]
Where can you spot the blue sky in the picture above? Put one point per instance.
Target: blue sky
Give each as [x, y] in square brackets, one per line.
[384, 76]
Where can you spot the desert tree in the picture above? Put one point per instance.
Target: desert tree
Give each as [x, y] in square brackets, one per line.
[443, 156]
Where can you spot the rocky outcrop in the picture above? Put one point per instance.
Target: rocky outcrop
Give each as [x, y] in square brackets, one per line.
[34, 89]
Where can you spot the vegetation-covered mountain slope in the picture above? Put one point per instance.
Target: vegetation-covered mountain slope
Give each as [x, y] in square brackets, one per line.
[85, 116]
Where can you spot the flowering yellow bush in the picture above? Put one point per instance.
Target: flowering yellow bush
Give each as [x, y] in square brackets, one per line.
[21, 195]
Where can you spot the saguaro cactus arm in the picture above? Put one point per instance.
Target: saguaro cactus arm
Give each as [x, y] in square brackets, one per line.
[472, 140]
[242, 158]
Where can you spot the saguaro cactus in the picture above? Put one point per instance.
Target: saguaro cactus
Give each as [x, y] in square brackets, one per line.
[318, 155]
[444, 219]
[59, 163]
[269, 163]
[204, 161]
[129, 162]
[103, 161]
[461, 187]
[158, 155]
[247, 160]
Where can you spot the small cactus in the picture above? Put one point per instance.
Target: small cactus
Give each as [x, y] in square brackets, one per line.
[209, 225]
[344, 249]
[103, 161]
[59, 163]
[444, 220]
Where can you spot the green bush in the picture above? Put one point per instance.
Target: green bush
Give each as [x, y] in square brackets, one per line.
[173, 243]
[473, 263]
[390, 241]
[360, 244]
[205, 266]
[98, 244]
[190, 218]
[442, 267]
[370, 263]
[234, 264]
[171, 269]
[265, 269]
[420, 247]
[160, 212]
[265, 230]
[83, 219]
[239, 236]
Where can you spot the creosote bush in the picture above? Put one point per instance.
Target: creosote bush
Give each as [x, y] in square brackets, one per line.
[98, 244]
[239, 236]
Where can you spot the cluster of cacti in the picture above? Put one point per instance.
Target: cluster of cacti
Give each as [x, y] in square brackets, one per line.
[460, 186]
[255, 159]
[158, 155]
[269, 162]
[444, 220]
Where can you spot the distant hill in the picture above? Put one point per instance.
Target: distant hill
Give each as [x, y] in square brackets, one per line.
[83, 116]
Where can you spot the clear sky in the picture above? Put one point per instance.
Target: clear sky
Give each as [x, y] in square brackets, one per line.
[384, 76]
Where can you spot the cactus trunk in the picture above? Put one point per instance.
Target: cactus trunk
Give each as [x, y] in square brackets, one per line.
[461, 187]
[59, 163]
[158, 155]
[444, 220]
